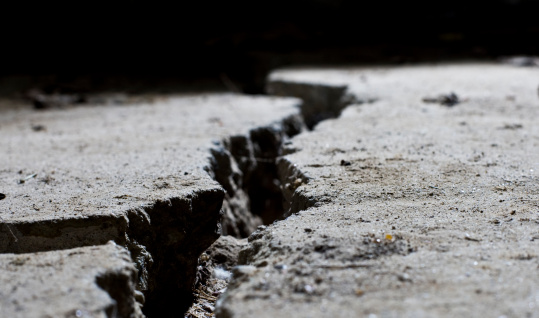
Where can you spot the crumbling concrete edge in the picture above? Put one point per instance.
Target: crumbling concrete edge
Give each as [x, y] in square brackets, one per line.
[320, 101]
[120, 284]
[167, 236]
[245, 166]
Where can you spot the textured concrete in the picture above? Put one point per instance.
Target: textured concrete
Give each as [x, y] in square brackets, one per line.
[96, 281]
[151, 177]
[404, 207]
[100, 162]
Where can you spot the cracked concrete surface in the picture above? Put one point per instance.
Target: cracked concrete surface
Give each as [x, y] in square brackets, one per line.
[145, 176]
[397, 208]
[402, 208]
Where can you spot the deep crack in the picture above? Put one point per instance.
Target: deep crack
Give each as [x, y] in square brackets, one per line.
[259, 184]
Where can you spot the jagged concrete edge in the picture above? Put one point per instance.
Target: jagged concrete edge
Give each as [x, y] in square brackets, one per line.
[238, 164]
[292, 177]
[320, 101]
[140, 229]
[329, 103]
[116, 280]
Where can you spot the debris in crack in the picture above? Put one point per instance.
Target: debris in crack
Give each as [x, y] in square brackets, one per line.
[214, 273]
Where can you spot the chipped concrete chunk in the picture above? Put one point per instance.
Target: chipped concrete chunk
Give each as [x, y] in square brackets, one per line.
[94, 281]
[405, 208]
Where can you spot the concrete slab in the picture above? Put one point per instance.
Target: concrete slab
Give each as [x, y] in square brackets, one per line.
[151, 177]
[403, 207]
[97, 281]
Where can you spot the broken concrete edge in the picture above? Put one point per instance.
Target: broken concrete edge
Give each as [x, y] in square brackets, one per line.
[245, 166]
[156, 235]
[121, 284]
[291, 179]
[238, 163]
[180, 230]
[261, 258]
[167, 236]
[268, 145]
[251, 161]
[163, 239]
[321, 101]
[109, 279]
[214, 273]
[240, 157]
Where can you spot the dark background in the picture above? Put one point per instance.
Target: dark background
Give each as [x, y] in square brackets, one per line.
[236, 43]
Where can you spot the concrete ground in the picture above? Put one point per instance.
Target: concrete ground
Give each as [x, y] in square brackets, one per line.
[422, 203]
[420, 199]
[150, 177]
[96, 281]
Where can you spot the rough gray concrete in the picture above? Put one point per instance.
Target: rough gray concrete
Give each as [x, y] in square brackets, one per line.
[151, 177]
[97, 281]
[403, 208]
